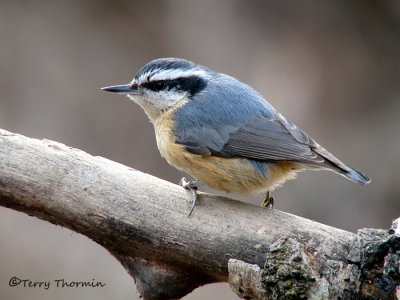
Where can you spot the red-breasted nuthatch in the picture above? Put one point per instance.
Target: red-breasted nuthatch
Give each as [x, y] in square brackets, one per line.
[222, 132]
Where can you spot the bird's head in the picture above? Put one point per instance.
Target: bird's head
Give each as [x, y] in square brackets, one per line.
[164, 84]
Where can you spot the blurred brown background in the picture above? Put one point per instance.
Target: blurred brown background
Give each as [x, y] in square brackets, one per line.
[332, 67]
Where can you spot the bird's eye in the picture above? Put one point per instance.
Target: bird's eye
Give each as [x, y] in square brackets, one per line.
[159, 85]
[155, 85]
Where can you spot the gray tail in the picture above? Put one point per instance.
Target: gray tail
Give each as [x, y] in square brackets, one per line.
[355, 176]
[339, 167]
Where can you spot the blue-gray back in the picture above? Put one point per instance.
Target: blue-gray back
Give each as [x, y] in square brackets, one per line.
[230, 119]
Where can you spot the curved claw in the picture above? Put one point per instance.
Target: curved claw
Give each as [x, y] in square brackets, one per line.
[194, 194]
[268, 201]
[191, 186]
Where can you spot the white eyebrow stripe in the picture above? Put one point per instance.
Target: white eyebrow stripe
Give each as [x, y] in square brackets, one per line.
[171, 74]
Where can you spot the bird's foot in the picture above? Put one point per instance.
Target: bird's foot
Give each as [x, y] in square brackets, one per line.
[268, 201]
[192, 186]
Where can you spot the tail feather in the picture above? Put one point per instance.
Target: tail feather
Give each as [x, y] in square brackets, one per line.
[334, 164]
[356, 176]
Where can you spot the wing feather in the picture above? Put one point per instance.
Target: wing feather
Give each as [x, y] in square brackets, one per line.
[237, 122]
[261, 139]
[268, 139]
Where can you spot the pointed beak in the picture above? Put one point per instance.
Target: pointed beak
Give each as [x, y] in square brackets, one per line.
[122, 89]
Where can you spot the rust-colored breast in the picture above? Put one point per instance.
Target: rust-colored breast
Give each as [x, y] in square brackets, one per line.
[228, 174]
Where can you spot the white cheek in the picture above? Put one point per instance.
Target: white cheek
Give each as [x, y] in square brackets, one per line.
[164, 99]
[153, 103]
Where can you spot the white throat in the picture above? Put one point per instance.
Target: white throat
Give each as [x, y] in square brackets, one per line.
[154, 109]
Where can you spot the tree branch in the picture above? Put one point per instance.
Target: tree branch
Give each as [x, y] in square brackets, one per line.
[143, 221]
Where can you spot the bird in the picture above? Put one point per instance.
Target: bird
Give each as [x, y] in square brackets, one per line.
[222, 132]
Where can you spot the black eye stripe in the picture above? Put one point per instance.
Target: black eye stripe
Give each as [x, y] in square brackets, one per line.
[191, 84]
[155, 85]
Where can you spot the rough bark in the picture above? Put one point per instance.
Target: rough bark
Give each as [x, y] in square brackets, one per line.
[143, 221]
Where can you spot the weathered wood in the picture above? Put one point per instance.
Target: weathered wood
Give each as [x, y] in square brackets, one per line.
[143, 221]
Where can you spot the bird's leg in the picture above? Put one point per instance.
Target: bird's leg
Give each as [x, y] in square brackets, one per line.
[268, 201]
[192, 186]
